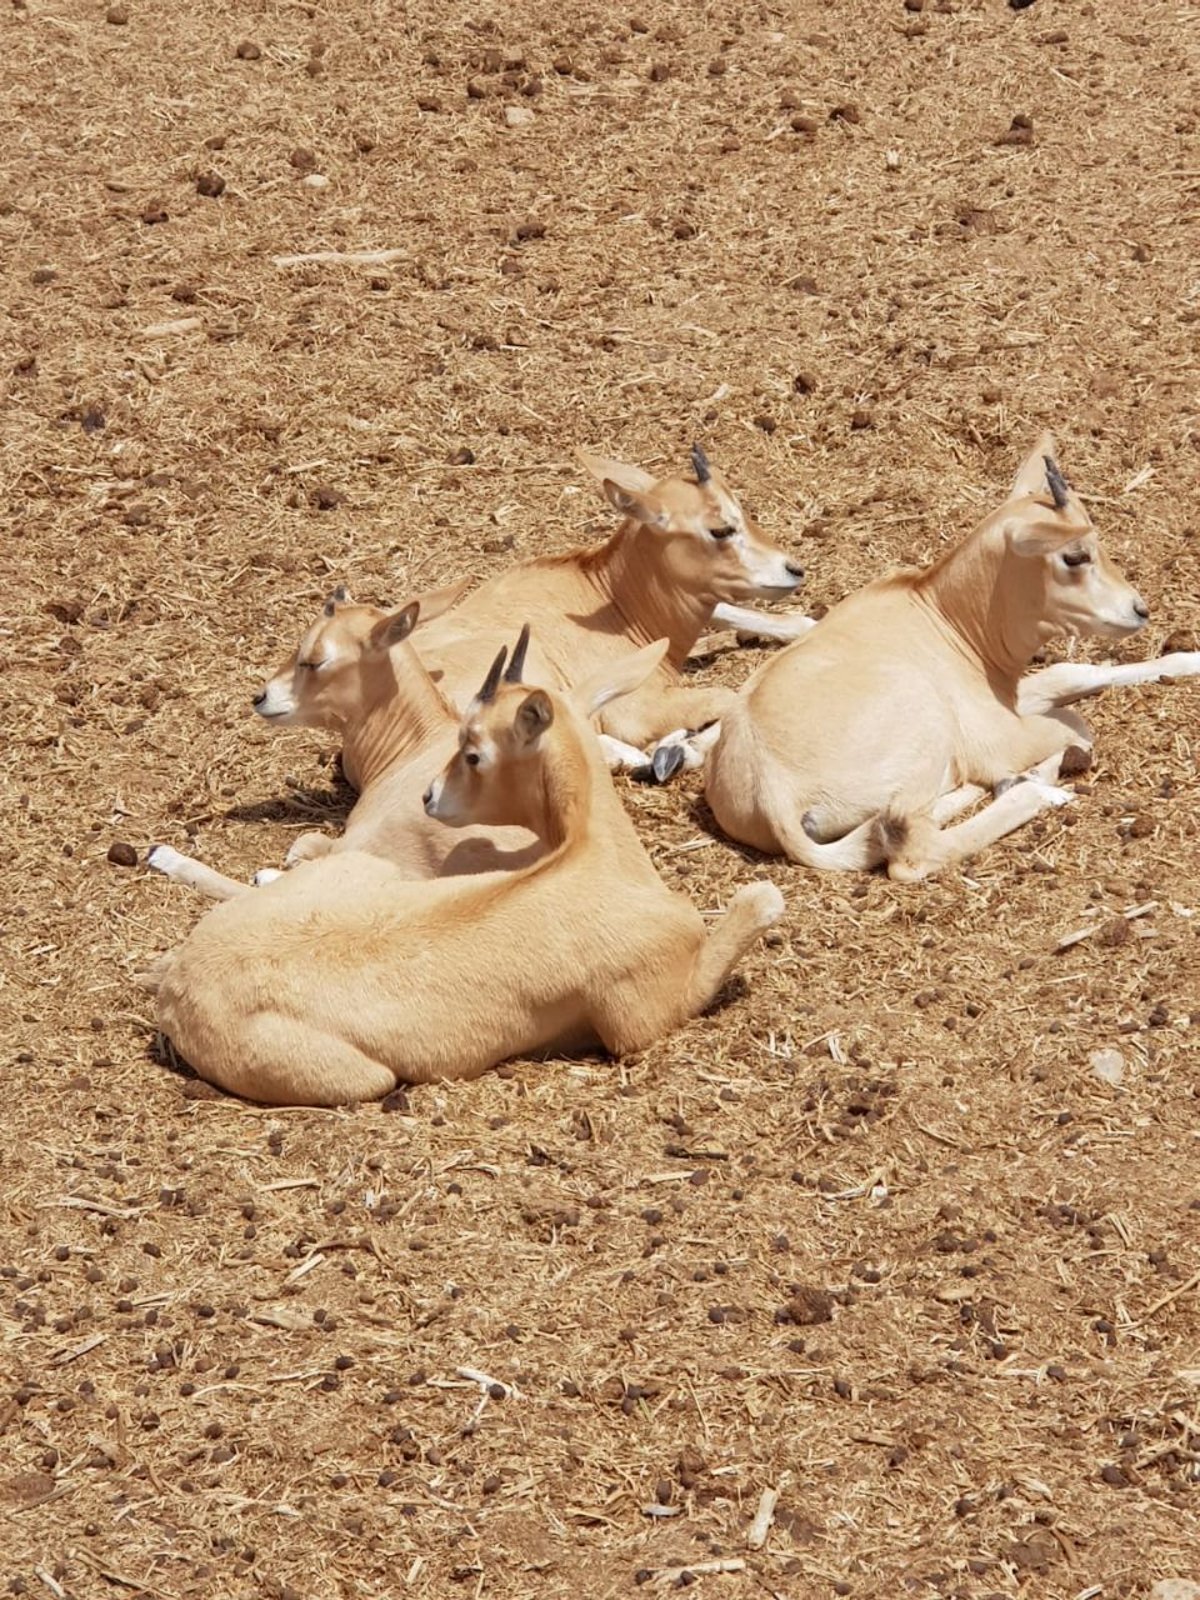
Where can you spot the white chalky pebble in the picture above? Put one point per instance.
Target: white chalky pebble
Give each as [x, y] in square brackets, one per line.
[1109, 1067]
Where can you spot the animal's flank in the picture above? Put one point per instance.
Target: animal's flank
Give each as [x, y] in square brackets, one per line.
[899, 710]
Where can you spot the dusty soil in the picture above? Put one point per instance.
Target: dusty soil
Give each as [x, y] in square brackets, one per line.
[873, 1234]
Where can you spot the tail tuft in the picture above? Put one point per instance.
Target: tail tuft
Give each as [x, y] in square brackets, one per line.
[891, 833]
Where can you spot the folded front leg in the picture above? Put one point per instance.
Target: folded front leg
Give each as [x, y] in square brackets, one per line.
[647, 715]
[179, 868]
[308, 847]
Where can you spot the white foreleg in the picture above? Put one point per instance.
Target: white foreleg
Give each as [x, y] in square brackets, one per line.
[619, 756]
[1069, 681]
[179, 868]
[762, 624]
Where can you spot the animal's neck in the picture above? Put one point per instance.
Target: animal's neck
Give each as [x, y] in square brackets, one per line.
[629, 568]
[574, 808]
[393, 729]
[987, 596]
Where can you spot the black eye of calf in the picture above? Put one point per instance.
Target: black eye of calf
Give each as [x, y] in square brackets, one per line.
[1076, 558]
[722, 533]
[472, 758]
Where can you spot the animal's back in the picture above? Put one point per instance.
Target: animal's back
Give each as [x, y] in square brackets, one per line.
[438, 979]
[573, 627]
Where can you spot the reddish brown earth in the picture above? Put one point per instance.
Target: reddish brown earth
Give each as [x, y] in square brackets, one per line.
[872, 1234]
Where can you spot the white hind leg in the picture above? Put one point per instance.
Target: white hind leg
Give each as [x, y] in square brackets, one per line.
[948, 806]
[916, 847]
[179, 868]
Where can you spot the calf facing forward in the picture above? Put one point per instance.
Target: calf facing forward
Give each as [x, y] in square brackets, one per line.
[336, 983]
[903, 706]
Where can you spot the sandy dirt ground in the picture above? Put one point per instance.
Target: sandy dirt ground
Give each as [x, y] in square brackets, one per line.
[873, 1234]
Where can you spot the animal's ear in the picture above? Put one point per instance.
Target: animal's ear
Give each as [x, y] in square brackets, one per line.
[1031, 478]
[633, 504]
[433, 602]
[1039, 531]
[605, 470]
[534, 716]
[617, 678]
[395, 626]
[339, 597]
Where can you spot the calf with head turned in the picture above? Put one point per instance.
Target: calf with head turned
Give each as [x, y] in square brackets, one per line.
[355, 673]
[338, 982]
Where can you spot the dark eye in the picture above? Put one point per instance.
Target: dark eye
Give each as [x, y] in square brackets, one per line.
[1076, 558]
[471, 757]
[309, 666]
[722, 533]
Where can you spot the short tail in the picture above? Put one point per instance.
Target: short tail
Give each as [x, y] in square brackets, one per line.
[857, 851]
[750, 792]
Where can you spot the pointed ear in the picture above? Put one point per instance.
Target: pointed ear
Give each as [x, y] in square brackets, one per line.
[395, 626]
[433, 602]
[534, 716]
[635, 505]
[617, 678]
[1038, 530]
[1031, 478]
[603, 469]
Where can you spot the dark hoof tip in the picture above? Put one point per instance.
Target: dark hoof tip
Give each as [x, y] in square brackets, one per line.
[644, 774]
[666, 762]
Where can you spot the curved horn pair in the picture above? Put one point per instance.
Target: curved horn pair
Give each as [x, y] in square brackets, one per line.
[515, 668]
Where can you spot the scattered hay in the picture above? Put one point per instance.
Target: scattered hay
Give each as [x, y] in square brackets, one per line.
[861, 252]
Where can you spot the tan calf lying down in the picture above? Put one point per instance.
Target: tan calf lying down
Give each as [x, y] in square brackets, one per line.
[904, 705]
[338, 982]
[355, 673]
[684, 546]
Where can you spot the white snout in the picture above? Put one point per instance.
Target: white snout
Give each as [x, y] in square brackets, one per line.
[275, 701]
[772, 574]
[1119, 624]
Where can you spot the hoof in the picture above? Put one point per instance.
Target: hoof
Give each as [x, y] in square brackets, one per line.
[666, 762]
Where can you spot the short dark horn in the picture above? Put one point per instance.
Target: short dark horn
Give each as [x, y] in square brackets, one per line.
[1059, 487]
[516, 666]
[700, 463]
[492, 682]
[338, 598]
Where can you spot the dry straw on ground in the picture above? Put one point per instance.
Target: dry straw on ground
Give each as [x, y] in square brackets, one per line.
[873, 1236]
